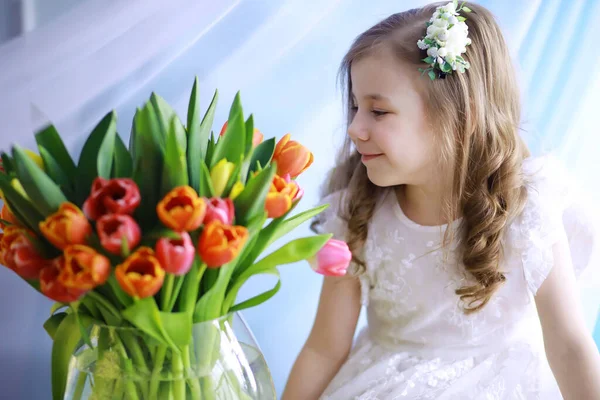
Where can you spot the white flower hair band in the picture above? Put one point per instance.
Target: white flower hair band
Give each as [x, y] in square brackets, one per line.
[446, 40]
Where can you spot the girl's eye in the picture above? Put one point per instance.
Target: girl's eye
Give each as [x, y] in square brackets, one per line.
[354, 108]
[378, 113]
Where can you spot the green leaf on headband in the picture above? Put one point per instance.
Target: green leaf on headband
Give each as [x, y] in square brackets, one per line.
[446, 67]
[429, 60]
[455, 3]
[466, 9]
[461, 19]
[431, 75]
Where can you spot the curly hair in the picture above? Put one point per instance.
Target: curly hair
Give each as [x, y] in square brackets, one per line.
[476, 118]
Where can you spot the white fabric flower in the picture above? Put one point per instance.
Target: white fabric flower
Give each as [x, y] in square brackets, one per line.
[441, 23]
[432, 31]
[432, 52]
[453, 20]
[443, 34]
[457, 39]
[442, 52]
[450, 8]
[422, 45]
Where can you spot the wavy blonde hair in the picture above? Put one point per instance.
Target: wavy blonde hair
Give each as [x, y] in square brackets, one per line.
[476, 118]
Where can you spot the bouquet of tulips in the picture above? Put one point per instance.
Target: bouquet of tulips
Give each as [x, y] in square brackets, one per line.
[155, 236]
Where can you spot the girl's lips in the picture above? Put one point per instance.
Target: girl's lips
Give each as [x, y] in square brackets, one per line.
[367, 157]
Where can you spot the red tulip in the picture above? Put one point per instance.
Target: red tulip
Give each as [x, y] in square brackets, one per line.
[219, 209]
[51, 286]
[18, 253]
[112, 196]
[176, 255]
[333, 259]
[112, 228]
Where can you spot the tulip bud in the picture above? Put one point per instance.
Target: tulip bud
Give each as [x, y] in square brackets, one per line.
[219, 209]
[66, 226]
[292, 158]
[333, 259]
[181, 209]
[220, 243]
[176, 255]
[220, 174]
[114, 228]
[141, 274]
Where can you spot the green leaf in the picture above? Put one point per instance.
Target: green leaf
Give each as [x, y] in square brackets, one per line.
[122, 163]
[145, 315]
[210, 149]
[263, 153]
[431, 75]
[48, 196]
[235, 177]
[49, 139]
[429, 60]
[455, 4]
[178, 326]
[106, 153]
[198, 134]
[122, 297]
[261, 298]
[294, 251]
[466, 9]
[7, 164]
[276, 229]
[147, 164]
[20, 205]
[164, 114]
[66, 338]
[52, 323]
[175, 170]
[461, 19]
[210, 304]
[206, 187]
[251, 201]
[89, 159]
[232, 144]
[55, 172]
[57, 306]
[249, 127]
[446, 68]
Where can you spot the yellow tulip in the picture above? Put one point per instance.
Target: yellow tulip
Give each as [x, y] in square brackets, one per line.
[36, 158]
[220, 174]
[237, 188]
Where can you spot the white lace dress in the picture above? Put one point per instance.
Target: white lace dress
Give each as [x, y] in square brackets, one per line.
[419, 344]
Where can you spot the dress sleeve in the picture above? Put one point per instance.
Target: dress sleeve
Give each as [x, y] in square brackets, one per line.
[554, 207]
[330, 221]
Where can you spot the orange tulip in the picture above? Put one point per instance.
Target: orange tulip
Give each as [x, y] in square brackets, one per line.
[51, 286]
[66, 226]
[83, 268]
[181, 209]
[257, 136]
[140, 275]
[282, 193]
[8, 216]
[220, 243]
[292, 158]
[19, 254]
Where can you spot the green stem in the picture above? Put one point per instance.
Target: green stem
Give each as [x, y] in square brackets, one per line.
[159, 359]
[166, 291]
[178, 377]
[130, 389]
[119, 390]
[105, 303]
[138, 359]
[192, 378]
[178, 284]
[80, 386]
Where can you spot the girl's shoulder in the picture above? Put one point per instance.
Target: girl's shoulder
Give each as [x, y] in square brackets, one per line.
[555, 207]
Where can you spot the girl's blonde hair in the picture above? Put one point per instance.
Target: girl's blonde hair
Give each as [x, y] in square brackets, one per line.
[475, 117]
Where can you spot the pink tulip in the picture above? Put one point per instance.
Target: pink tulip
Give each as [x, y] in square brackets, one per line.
[113, 227]
[176, 255]
[333, 259]
[219, 209]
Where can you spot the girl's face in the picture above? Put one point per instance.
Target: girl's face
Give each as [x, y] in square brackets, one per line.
[389, 125]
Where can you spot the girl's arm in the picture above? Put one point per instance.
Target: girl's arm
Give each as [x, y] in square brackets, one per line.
[570, 349]
[329, 342]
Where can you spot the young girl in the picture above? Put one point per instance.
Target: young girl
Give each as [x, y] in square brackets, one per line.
[461, 241]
